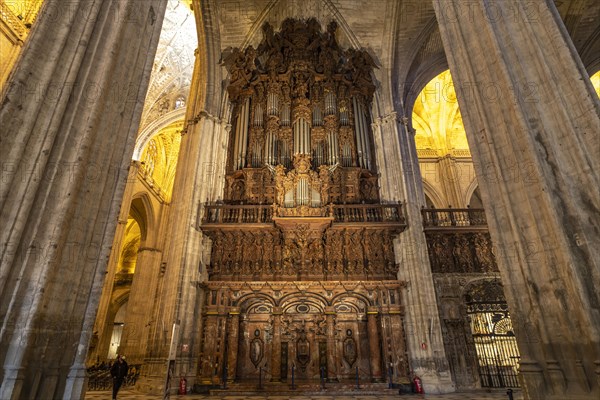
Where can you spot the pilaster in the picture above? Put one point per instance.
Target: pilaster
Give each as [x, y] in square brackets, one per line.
[232, 346]
[276, 346]
[401, 179]
[374, 344]
[331, 346]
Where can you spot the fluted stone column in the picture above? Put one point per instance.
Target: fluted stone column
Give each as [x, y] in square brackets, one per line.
[401, 180]
[137, 321]
[276, 346]
[199, 178]
[103, 326]
[232, 344]
[331, 347]
[374, 344]
[450, 180]
[68, 122]
[532, 123]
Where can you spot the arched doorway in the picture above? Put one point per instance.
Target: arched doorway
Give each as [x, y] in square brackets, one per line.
[117, 332]
[493, 335]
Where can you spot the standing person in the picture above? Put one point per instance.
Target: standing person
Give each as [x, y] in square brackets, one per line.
[118, 372]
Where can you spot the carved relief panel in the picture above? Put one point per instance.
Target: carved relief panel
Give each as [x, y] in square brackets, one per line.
[298, 251]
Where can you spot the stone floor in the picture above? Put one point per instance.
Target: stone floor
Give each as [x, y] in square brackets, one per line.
[478, 395]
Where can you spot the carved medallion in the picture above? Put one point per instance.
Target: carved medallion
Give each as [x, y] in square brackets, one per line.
[350, 353]
[256, 349]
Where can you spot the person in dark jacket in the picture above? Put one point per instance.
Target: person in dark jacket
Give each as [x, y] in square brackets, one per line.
[118, 372]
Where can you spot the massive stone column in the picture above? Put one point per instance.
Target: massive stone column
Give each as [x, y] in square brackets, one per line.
[533, 124]
[401, 180]
[137, 321]
[180, 296]
[74, 127]
[103, 326]
[199, 178]
[69, 120]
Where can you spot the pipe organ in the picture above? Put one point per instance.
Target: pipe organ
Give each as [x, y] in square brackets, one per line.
[300, 96]
[302, 268]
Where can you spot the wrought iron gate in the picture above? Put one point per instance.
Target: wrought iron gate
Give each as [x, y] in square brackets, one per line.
[495, 343]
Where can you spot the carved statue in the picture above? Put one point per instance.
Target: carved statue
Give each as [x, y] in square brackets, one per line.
[279, 183]
[350, 353]
[325, 179]
[483, 250]
[256, 351]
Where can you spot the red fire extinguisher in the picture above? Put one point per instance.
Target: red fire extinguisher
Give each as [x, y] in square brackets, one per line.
[182, 385]
[418, 385]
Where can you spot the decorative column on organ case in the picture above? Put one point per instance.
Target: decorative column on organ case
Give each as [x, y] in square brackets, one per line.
[241, 134]
[331, 345]
[374, 347]
[232, 344]
[276, 349]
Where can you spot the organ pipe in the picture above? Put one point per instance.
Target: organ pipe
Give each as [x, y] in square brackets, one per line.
[365, 138]
[301, 130]
[237, 139]
[344, 119]
[241, 134]
[244, 141]
[312, 114]
[332, 147]
[346, 155]
[363, 135]
[258, 115]
[317, 116]
[285, 115]
[330, 104]
[270, 148]
[272, 104]
[358, 130]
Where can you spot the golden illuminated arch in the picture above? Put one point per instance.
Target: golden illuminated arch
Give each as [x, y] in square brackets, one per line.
[25, 10]
[159, 158]
[437, 120]
[596, 82]
[131, 245]
[16, 19]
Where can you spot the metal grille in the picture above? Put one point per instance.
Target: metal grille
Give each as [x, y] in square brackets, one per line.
[495, 343]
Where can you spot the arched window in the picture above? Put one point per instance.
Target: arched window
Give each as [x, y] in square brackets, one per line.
[475, 200]
[596, 82]
[179, 102]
